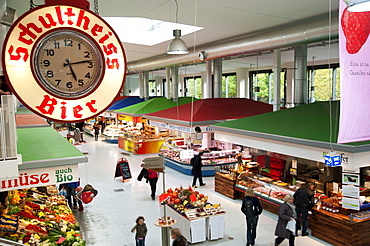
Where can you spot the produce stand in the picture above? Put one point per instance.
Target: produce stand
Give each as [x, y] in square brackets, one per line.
[39, 217]
[143, 139]
[197, 219]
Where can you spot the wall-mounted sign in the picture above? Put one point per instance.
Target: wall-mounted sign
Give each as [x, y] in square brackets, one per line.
[351, 203]
[351, 191]
[41, 177]
[351, 179]
[186, 154]
[63, 62]
[332, 161]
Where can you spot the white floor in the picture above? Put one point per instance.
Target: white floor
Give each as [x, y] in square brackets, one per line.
[109, 218]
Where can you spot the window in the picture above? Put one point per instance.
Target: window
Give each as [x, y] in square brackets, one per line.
[228, 89]
[152, 88]
[321, 81]
[193, 87]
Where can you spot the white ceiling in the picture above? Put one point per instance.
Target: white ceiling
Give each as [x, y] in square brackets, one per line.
[221, 19]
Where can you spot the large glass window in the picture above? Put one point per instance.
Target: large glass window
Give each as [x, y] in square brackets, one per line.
[262, 86]
[152, 88]
[321, 82]
[193, 87]
[228, 89]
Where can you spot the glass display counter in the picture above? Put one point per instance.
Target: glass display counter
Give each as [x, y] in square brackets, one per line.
[178, 158]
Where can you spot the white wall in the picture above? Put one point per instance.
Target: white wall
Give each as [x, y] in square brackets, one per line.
[131, 87]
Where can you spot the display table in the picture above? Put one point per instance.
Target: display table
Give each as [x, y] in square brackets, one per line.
[215, 227]
[110, 139]
[193, 230]
[83, 147]
[198, 230]
[225, 185]
[338, 230]
[150, 146]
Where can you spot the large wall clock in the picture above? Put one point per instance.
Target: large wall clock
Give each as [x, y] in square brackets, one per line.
[64, 62]
[68, 63]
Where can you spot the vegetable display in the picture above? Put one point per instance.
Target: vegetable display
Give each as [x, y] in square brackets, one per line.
[36, 218]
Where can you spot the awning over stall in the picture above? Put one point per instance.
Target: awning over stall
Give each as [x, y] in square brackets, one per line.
[44, 147]
[152, 105]
[125, 102]
[210, 111]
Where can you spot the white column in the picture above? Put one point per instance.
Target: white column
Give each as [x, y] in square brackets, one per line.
[146, 84]
[217, 77]
[300, 75]
[158, 84]
[141, 85]
[168, 83]
[175, 83]
[270, 88]
[289, 88]
[207, 81]
[334, 84]
[181, 85]
[242, 86]
[277, 72]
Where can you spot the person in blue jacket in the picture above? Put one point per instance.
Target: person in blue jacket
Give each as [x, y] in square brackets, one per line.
[252, 208]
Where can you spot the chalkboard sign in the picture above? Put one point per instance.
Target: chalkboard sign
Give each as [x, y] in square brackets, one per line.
[123, 169]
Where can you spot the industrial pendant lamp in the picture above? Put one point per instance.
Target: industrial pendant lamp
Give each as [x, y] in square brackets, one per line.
[358, 5]
[177, 45]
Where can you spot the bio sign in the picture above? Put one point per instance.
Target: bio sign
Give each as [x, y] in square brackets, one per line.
[41, 177]
[63, 62]
[333, 161]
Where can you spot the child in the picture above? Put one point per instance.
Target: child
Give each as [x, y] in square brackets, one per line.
[141, 231]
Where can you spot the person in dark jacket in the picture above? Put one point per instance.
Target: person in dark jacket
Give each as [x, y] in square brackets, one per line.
[303, 201]
[141, 231]
[197, 164]
[252, 208]
[286, 213]
[96, 131]
[178, 238]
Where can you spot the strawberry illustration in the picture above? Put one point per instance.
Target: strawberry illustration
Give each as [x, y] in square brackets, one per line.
[356, 29]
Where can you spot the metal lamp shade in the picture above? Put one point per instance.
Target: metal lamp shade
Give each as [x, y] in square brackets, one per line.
[177, 45]
[359, 5]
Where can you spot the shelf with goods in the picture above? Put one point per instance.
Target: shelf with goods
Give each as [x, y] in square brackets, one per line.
[272, 167]
[197, 219]
[39, 217]
[178, 158]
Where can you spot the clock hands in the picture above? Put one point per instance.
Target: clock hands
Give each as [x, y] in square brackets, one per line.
[70, 67]
[68, 64]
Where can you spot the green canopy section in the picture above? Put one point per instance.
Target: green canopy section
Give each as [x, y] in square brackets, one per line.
[23, 110]
[152, 105]
[309, 121]
[44, 143]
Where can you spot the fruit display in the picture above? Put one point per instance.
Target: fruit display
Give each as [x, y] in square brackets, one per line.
[190, 203]
[39, 217]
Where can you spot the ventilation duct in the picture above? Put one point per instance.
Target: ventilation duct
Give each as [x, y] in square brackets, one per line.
[315, 31]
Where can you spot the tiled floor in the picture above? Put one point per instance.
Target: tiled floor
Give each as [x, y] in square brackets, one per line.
[107, 221]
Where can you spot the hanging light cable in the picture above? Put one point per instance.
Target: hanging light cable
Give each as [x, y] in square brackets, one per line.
[358, 5]
[177, 45]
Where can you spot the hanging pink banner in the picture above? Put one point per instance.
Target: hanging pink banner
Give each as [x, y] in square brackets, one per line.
[354, 48]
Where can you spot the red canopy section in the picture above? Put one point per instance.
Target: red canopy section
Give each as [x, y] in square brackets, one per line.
[210, 111]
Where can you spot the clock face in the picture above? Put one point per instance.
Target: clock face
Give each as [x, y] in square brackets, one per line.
[68, 64]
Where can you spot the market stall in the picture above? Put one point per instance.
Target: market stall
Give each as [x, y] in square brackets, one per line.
[30, 209]
[192, 122]
[291, 155]
[197, 219]
[137, 136]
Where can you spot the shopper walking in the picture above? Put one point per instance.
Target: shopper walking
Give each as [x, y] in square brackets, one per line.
[152, 179]
[71, 193]
[286, 214]
[252, 208]
[96, 131]
[141, 231]
[178, 238]
[197, 164]
[303, 201]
